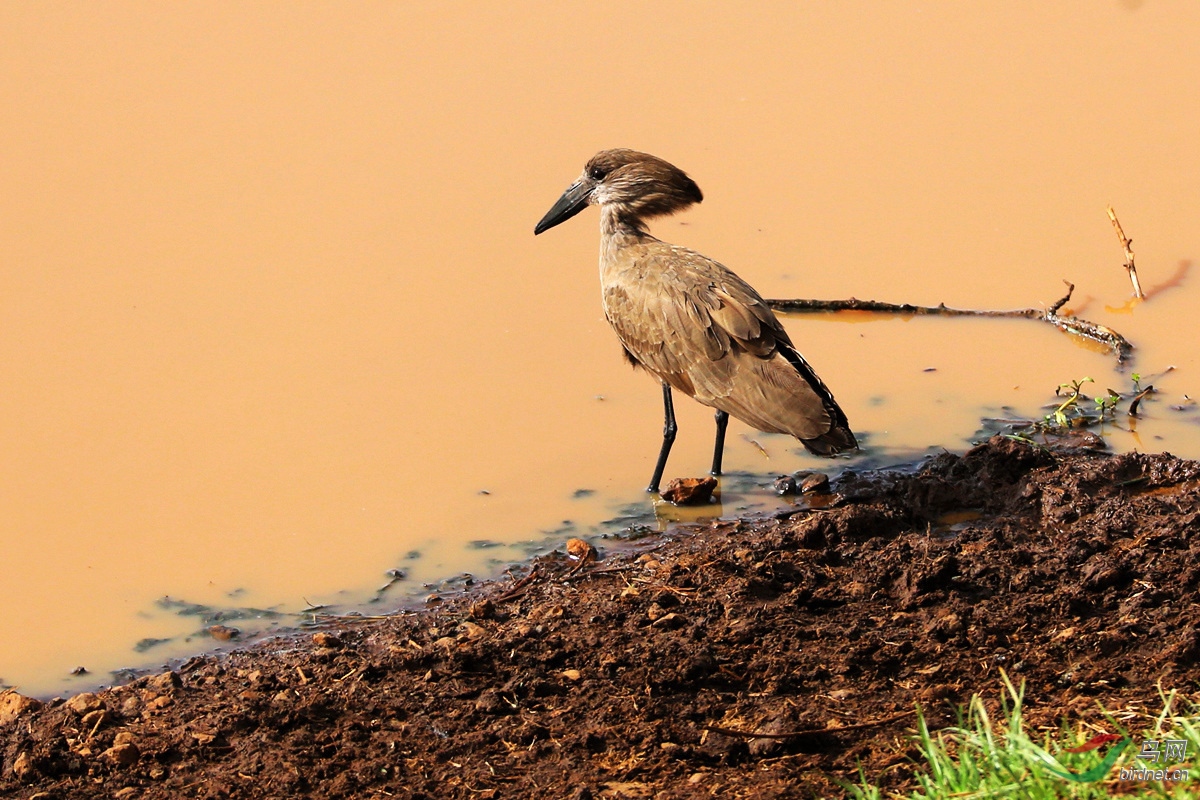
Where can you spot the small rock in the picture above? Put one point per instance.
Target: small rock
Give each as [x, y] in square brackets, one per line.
[767, 746]
[165, 682]
[13, 705]
[572, 674]
[128, 791]
[159, 702]
[813, 482]
[122, 755]
[94, 719]
[484, 609]
[649, 563]
[689, 491]
[669, 621]
[327, 640]
[79, 671]
[223, 633]
[23, 766]
[490, 702]
[473, 631]
[939, 691]
[945, 626]
[803, 482]
[83, 704]
[786, 485]
[856, 589]
[581, 551]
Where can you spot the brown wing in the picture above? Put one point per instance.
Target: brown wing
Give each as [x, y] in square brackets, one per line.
[706, 332]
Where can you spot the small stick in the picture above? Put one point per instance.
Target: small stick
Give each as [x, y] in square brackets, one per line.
[809, 731]
[519, 588]
[574, 576]
[1073, 325]
[1125, 244]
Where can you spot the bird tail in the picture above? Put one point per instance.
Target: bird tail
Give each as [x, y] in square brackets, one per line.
[839, 437]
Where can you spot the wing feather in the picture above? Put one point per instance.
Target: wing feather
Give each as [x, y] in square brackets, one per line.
[698, 326]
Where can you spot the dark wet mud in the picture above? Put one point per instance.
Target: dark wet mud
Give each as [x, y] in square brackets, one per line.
[647, 672]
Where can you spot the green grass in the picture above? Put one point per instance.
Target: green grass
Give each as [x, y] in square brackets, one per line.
[986, 758]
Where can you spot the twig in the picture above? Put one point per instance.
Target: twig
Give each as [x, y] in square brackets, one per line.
[809, 731]
[1133, 406]
[574, 576]
[1125, 245]
[519, 588]
[1073, 325]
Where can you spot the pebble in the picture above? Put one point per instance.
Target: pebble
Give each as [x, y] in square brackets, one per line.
[223, 633]
[802, 482]
[123, 755]
[83, 704]
[473, 631]
[165, 681]
[94, 719]
[669, 622]
[580, 550]
[13, 705]
[689, 491]
[22, 766]
[490, 702]
[327, 640]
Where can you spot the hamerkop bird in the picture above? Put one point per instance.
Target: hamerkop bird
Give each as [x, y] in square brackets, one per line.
[690, 321]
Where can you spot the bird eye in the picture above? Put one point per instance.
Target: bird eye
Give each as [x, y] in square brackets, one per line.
[597, 173]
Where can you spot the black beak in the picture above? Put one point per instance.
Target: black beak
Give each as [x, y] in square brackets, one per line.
[573, 200]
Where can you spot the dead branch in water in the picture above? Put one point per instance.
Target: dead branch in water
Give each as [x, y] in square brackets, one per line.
[1071, 324]
[1125, 245]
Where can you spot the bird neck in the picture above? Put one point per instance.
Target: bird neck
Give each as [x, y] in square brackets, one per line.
[620, 235]
[620, 224]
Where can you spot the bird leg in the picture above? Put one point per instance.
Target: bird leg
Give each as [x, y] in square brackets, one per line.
[719, 447]
[669, 429]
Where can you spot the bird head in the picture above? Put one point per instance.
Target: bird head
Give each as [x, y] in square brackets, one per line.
[634, 186]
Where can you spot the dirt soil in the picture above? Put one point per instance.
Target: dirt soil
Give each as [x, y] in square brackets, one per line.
[643, 674]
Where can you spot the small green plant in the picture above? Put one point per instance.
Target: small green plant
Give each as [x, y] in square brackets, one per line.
[1072, 411]
[1075, 410]
[1069, 408]
[982, 757]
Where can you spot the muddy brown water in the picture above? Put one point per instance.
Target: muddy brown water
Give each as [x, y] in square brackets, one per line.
[272, 315]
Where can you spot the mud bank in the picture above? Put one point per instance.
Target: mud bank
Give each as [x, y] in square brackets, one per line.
[643, 674]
